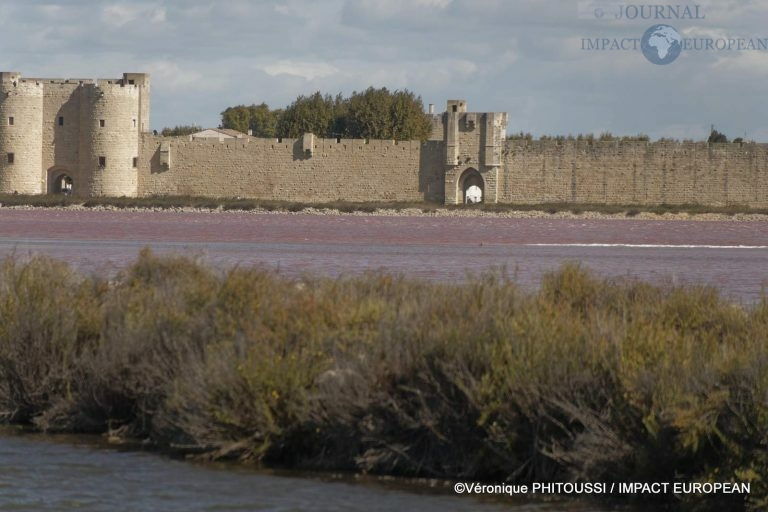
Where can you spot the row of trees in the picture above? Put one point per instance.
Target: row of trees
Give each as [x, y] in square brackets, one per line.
[371, 114]
[714, 136]
[176, 131]
[605, 136]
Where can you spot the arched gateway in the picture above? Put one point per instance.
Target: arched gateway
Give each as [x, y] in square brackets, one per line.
[471, 186]
[60, 182]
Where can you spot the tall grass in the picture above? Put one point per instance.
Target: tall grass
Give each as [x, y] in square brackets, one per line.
[584, 379]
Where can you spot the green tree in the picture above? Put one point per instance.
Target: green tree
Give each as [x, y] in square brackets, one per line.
[409, 121]
[371, 114]
[640, 137]
[381, 114]
[258, 118]
[180, 130]
[716, 136]
[521, 135]
[263, 121]
[236, 118]
[308, 114]
[340, 126]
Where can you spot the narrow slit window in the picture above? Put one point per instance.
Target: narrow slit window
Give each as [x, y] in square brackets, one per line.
[11, 158]
[102, 161]
[134, 123]
[101, 123]
[10, 121]
[135, 162]
[61, 121]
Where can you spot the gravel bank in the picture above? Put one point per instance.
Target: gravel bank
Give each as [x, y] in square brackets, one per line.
[437, 212]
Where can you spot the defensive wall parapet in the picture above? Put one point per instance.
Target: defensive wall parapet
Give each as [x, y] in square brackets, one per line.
[90, 137]
[285, 169]
[633, 172]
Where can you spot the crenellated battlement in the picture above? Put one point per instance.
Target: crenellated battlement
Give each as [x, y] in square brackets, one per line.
[75, 135]
[280, 144]
[91, 137]
[634, 145]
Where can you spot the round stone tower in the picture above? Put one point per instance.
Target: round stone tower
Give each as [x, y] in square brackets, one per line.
[109, 138]
[21, 135]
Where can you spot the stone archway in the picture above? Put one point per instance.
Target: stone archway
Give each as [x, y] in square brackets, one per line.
[60, 182]
[472, 187]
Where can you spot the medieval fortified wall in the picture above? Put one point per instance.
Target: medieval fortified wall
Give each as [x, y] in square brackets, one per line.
[91, 138]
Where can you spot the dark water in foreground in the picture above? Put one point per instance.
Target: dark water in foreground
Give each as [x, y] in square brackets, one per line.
[38, 474]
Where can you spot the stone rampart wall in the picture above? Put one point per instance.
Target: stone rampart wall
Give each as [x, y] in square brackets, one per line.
[283, 169]
[532, 172]
[634, 173]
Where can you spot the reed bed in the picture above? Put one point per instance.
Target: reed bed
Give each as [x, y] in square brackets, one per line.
[584, 379]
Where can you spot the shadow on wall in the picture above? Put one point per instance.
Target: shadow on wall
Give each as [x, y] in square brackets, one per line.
[298, 151]
[66, 135]
[432, 171]
[154, 163]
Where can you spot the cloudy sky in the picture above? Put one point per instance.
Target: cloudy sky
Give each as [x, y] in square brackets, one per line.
[519, 56]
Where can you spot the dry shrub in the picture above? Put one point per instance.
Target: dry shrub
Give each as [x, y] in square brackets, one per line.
[48, 319]
[585, 379]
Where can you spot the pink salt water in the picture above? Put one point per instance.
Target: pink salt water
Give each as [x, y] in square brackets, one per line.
[730, 255]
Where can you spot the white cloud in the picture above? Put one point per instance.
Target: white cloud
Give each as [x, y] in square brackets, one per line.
[307, 10]
[728, 11]
[390, 8]
[122, 14]
[412, 11]
[170, 75]
[414, 75]
[306, 70]
[704, 32]
[51, 10]
[742, 64]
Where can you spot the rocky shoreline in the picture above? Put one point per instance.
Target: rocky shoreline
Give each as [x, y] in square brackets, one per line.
[424, 212]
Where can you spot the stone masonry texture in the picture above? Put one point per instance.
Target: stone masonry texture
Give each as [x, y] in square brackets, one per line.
[96, 134]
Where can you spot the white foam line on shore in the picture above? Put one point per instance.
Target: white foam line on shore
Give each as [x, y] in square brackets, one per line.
[655, 246]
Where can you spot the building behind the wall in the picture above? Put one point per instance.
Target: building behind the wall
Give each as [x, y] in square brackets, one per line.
[91, 138]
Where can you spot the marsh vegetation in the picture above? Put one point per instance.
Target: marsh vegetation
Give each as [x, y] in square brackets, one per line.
[583, 379]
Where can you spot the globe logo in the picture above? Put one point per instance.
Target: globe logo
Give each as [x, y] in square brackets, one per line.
[661, 44]
[599, 13]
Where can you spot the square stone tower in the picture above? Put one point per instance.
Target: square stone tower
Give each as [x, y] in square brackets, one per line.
[474, 144]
